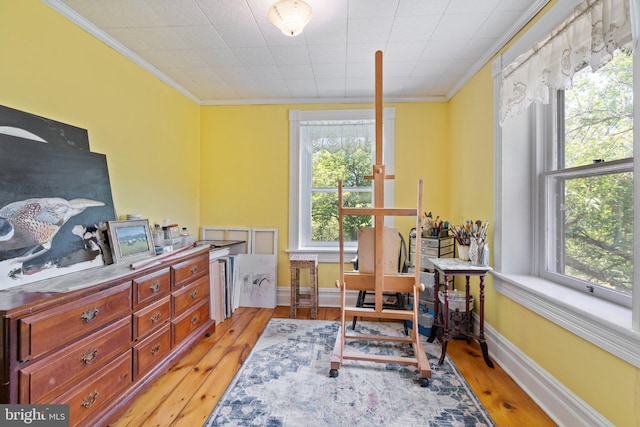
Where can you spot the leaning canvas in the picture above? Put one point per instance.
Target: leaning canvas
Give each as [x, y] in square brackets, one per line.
[256, 280]
[54, 205]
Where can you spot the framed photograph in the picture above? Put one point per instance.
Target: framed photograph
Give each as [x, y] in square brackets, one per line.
[130, 240]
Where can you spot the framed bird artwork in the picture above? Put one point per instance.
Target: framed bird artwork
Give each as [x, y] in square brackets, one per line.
[55, 201]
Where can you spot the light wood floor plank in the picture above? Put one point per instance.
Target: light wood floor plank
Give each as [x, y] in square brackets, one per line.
[187, 394]
[224, 364]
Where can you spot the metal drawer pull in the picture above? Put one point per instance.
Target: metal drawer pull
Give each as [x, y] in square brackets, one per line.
[89, 356]
[155, 349]
[90, 400]
[156, 317]
[194, 294]
[194, 269]
[155, 287]
[90, 314]
[194, 320]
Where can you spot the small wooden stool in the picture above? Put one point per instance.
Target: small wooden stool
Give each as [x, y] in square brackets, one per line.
[297, 262]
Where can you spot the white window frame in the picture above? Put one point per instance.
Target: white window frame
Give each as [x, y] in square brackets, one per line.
[518, 206]
[299, 164]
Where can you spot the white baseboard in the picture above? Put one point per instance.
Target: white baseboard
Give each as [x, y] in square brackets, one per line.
[327, 297]
[560, 403]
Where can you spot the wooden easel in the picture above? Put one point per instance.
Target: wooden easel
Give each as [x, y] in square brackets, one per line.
[379, 282]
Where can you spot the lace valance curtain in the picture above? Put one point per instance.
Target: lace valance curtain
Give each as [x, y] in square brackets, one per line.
[334, 136]
[588, 37]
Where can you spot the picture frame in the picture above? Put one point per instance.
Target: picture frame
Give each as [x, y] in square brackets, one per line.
[130, 240]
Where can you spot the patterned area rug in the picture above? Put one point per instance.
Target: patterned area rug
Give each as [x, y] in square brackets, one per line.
[285, 382]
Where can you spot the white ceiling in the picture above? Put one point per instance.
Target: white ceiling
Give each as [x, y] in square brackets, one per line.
[227, 52]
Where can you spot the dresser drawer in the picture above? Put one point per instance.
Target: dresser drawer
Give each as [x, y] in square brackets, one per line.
[51, 373]
[427, 250]
[151, 351]
[189, 321]
[92, 395]
[189, 295]
[151, 317]
[45, 331]
[185, 271]
[151, 286]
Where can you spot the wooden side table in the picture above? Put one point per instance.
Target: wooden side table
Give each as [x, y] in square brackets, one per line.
[296, 263]
[450, 267]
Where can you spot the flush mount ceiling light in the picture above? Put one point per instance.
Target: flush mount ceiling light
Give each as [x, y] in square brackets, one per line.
[290, 16]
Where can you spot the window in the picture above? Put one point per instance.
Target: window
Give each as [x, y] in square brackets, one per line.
[589, 184]
[336, 150]
[564, 219]
[327, 146]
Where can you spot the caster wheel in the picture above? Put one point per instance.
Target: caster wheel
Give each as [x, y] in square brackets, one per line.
[424, 382]
[333, 373]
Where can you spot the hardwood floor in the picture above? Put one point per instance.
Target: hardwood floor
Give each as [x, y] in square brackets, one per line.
[187, 394]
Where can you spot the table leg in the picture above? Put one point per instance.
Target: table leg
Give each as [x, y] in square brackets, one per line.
[295, 286]
[445, 323]
[444, 352]
[467, 311]
[314, 293]
[436, 307]
[481, 340]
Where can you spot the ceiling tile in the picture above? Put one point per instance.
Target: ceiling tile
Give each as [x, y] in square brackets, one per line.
[302, 88]
[330, 71]
[364, 52]
[413, 28]
[241, 36]
[372, 8]
[176, 12]
[360, 87]
[227, 13]
[296, 71]
[408, 51]
[473, 7]
[252, 56]
[458, 26]
[497, 22]
[291, 54]
[200, 37]
[443, 49]
[369, 30]
[327, 53]
[331, 88]
[398, 69]
[264, 72]
[227, 50]
[116, 13]
[421, 7]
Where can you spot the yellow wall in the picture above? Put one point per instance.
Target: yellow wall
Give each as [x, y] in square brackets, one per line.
[245, 167]
[149, 132]
[170, 158]
[605, 382]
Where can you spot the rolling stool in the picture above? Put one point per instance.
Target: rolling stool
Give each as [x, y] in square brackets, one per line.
[297, 262]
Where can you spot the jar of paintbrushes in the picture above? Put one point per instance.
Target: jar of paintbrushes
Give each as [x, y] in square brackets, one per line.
[472, 242]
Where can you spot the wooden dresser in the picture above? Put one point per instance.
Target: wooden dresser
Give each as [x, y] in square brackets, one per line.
[96, 339]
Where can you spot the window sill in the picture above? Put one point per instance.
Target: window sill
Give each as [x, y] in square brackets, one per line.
[602, 323]
[326, 254]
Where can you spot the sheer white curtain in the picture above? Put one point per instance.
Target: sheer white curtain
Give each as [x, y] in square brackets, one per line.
[588, 37]
[334, 136]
